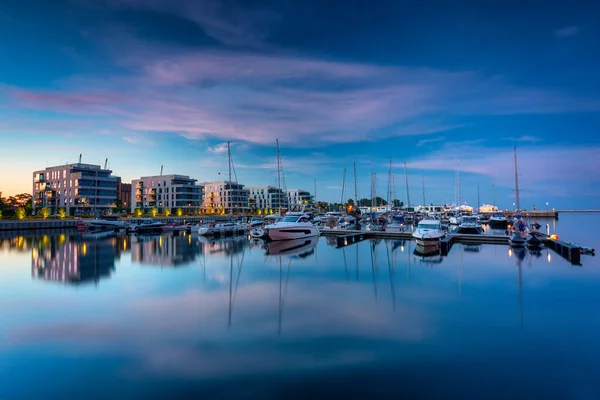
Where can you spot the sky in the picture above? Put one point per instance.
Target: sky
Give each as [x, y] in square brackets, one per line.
[439, 85]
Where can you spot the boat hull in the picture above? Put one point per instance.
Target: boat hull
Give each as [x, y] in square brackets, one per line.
[281, 231]
[498, 224]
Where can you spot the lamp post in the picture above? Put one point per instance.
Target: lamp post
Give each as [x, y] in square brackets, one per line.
[546, 205]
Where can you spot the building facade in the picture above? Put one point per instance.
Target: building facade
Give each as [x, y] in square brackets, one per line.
[78, 188]
[123, 194]
[299, 196]
[225, 197]
[268, 197]
[166, 191]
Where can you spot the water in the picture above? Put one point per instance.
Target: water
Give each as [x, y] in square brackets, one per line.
[165, 317]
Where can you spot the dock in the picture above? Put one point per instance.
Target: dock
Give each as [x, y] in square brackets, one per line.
[570, 251]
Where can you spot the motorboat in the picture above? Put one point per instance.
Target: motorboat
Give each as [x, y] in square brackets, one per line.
[455, 219]
[258, 231]
[428, 232]
[222, 229]
[498, 221]
[113, 222]
[296, 247]
[516, 240]
[397, 224]
[470, 225]
[145, 225]
[255, 221]
[295, 225]
[533, 240]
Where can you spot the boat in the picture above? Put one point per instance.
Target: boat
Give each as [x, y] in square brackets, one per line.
[146, 225]
[533, 240]
[114, 222]
[222, 229]
[296, 247]
[428, 232]
[454, 218]
[498, 221]
[397, 224]
[516, 240]
[470, 225]
[256, 221]
[295, 225]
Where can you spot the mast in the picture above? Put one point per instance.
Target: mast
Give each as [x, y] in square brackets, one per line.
[355, 188]
[516, 181]
[278, 175]
[315, 185]
[493, 194]
[372, 186]
[229, 159]
[423, 188]
[406, 181]
[458, 177]
[478, 203]
[343, 186]
[390, 186]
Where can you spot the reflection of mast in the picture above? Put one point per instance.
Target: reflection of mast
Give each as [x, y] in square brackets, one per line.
[460, 271]
[391, 272]
[516, 183]
[373, 266]
[356, 261]
[520, 290]
[282, 291]
[345, 263]
[232, 291]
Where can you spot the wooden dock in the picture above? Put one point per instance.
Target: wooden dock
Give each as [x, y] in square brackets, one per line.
[570, 251]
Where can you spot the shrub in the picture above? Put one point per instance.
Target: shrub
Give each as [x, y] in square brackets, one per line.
[62, 213]
[44, 212]
[21, 213]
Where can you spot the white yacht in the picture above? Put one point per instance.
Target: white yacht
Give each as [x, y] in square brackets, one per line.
[470, 225]
[498, 221]
[428, 232]
[454, 218]
[295, 225]
[222, 228]
[114, 222]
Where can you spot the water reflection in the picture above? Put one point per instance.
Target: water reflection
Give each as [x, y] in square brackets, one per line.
[164, 250]
[71, 259]
[300, 248]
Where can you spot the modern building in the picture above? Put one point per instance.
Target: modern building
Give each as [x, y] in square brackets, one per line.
[268, 197]
[299, 196]
[225, 197]
[123, 194]
[166, 191]
[78, 188]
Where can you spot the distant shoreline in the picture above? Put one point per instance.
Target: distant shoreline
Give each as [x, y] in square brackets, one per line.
[578, 211]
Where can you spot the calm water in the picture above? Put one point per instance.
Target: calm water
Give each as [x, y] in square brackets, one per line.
[165, 317]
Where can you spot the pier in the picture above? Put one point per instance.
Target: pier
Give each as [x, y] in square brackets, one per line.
[570, 251]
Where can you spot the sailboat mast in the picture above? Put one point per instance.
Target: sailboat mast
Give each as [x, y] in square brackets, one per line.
[458, 177]
[343, 186]
[229, 159]
[516, 182]
[355, 188]
[278, 174]
[372, 186]
[406, 181]
[478, 203]
[423, 188]
[390, 184]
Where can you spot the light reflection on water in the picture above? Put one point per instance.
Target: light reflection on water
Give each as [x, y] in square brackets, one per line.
[160, 316]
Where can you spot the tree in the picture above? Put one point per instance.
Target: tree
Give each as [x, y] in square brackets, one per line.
[350, 201]
[167, 211]
[62, 213]
[397, 203]
[44, 212]
[179, 212]
[21, 213]
[138, 212]
[154, 211]
[364, 202]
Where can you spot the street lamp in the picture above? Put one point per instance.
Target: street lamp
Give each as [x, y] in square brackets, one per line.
[546, 205]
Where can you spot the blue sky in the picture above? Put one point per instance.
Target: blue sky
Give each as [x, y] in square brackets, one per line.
[168, 82]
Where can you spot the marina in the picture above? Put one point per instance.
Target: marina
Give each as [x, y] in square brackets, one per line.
[177, 308]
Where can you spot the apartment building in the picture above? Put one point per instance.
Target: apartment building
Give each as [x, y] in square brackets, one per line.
[268, 197]
[225, 196]
[299, 196]
[78, 188]
[166, 191]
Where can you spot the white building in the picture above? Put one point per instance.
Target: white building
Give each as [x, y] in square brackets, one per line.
[166, 191]
[268, 197]
[78, 188]
[299, 196]
[225, 196]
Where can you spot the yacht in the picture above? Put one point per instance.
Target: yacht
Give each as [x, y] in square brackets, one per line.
[428, 232]
[258, 230]
[454, 219]
[295, 225]
[396, 224]
[222, 228]
[498, 221]
[470, 225]
[114, 222]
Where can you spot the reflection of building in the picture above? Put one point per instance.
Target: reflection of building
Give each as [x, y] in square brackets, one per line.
[83, 187]
[165, 250]
[268, 197]
[64, 259]
[299, 196]
[225, 196]
[166, 191]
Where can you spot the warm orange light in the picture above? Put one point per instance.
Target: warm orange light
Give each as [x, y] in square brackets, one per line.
[555, 237]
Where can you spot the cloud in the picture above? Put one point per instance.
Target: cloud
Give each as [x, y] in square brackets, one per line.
[524, 139]
[567, 31]
[218, 149]
[228, 22]
[427, 141]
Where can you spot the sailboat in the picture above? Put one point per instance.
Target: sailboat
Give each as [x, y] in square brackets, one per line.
[393, 224]
[296, 224]
[224, 228]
